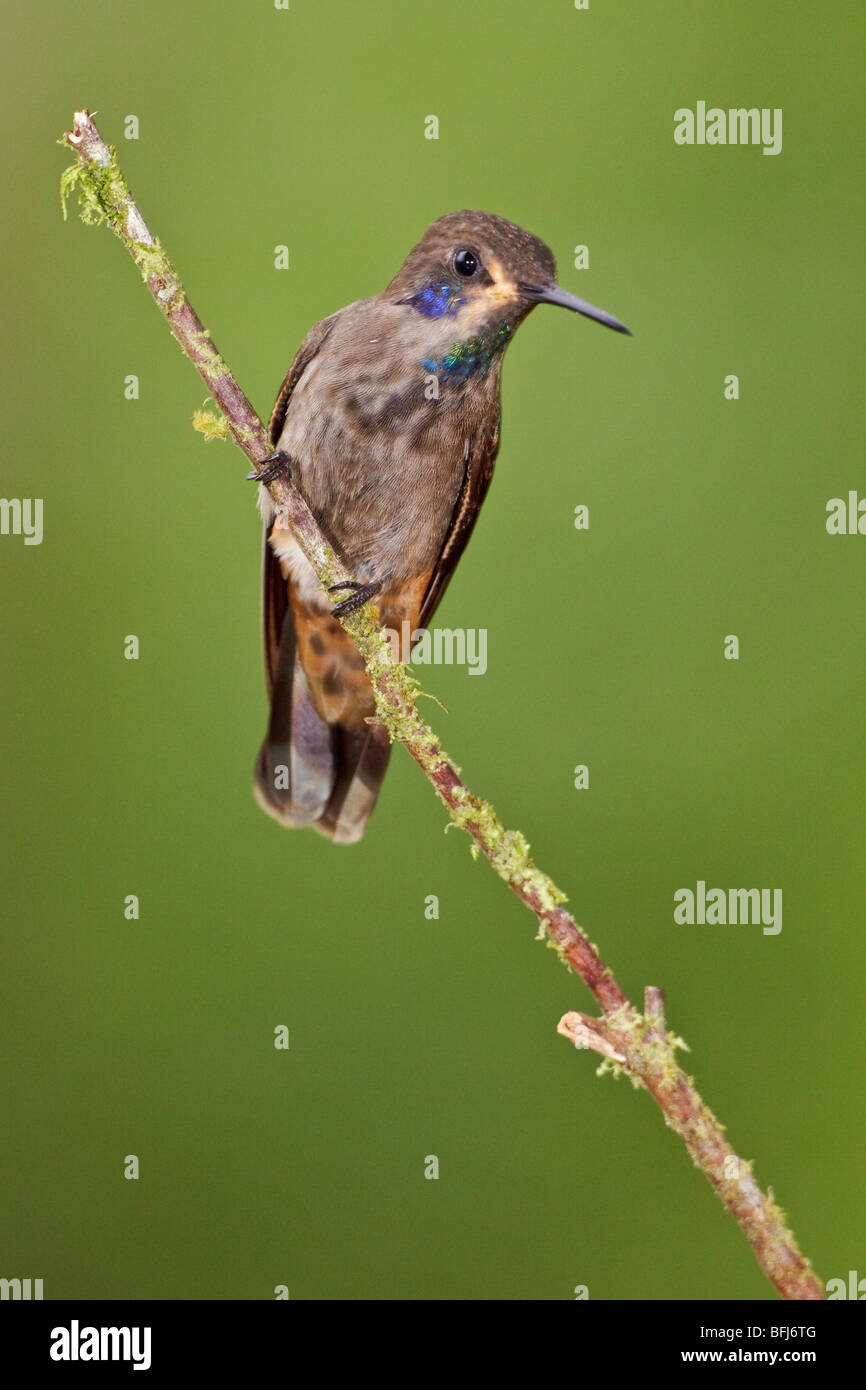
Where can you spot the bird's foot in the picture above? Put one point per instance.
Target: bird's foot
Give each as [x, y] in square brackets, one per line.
[362, 593]
[279, 466]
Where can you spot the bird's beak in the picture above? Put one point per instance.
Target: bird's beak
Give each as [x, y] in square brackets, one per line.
[552, 294]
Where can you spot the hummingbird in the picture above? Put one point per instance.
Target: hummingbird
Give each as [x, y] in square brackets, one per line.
[388, 424]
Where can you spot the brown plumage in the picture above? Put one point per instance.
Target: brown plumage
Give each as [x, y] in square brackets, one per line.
[389, 418]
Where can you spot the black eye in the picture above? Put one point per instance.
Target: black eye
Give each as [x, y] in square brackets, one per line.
[465, 262]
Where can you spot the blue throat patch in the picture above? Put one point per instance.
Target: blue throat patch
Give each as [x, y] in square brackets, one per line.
[437, 300]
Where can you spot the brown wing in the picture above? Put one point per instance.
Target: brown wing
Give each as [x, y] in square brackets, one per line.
[304, 356]
[481, 456]
[275, 591]
[275, 606]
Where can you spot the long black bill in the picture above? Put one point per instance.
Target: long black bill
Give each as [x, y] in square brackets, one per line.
[552, 294]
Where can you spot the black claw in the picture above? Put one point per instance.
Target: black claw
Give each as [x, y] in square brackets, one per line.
[280, 467]
[363, 592]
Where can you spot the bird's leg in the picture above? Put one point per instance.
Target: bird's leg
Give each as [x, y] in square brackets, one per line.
[279, 467]
[362, 593]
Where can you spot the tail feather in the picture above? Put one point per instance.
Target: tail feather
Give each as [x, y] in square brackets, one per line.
[359, 766]
[295, 768]
[321, 763]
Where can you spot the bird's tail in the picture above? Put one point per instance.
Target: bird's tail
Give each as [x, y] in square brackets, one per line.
[321, 763]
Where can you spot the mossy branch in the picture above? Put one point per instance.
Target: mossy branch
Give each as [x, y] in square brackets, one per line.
[629, 1041]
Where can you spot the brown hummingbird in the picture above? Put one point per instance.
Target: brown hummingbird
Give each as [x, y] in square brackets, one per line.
[388, 424]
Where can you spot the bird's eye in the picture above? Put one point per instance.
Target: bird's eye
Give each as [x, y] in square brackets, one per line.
[465, 262]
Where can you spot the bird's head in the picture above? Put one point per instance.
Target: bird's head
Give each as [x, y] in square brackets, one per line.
[478, 270]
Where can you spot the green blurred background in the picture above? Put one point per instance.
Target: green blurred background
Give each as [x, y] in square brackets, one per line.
[707, 517]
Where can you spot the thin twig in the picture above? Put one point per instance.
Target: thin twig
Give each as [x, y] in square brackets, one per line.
[634, 1043]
